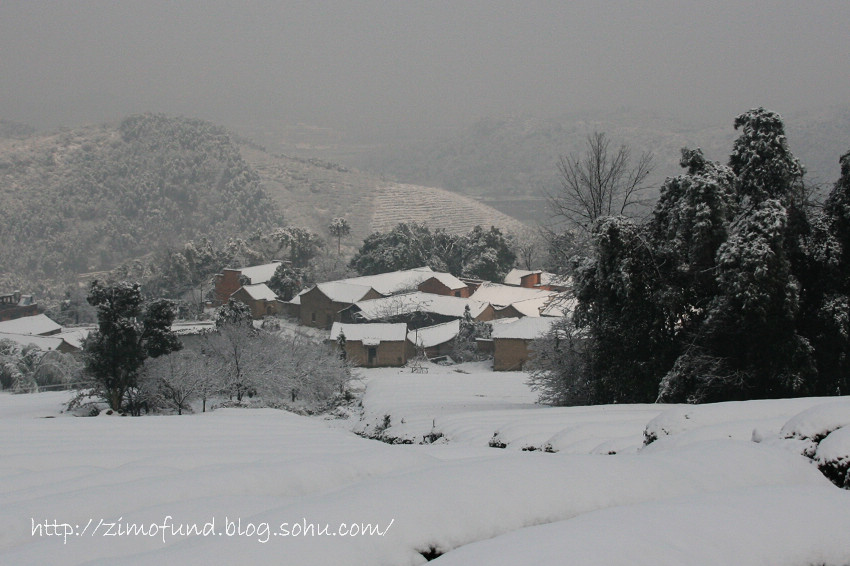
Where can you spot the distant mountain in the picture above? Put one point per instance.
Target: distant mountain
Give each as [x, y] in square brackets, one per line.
[90, 198]
[512, 160]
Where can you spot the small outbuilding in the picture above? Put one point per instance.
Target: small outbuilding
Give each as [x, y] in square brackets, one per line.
[374, 345]
[511, 341]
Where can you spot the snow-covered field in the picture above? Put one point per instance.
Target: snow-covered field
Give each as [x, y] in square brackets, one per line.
[718, 484]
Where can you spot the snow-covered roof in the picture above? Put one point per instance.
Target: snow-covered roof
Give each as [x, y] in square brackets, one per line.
[370, 334]
[38, 325]
[514, 276]
[343, 291]
[417, 301]
[448, 280]
[526, 328]
[503, 295]
[192, 328]
[76, 335]
[431, 336]
[260, 273]
[394, 282]
[260, 292]
[41, 342]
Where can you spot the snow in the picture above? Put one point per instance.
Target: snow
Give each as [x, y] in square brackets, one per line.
[260, 292]
[504, 295]
[371, 334]
[41, 342]
[260, 273]
[835, 448]
[343, 292]
[448, 280]
[526, 328]
[694, 496]
[431, 336]
[418, 301]
[393, 282]
[37, 325]
[819, 420]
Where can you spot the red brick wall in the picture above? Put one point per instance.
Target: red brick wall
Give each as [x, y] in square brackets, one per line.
[226, 284]
[433, 285]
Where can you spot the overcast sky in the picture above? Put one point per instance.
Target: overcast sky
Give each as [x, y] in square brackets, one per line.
[393, 67]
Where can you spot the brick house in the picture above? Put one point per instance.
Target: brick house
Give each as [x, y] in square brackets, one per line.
[445, 284]
[417, 309]
[15, 305]
[321, 305]
[374, 345]
[511, 341]
[260, 299]
[437, 340]
[536, 280]
[231, 279]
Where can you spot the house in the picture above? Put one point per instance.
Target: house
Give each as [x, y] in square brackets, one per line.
[321, 304]
[417, 309]
[374, 345]
[231, 279]
[511, 341]
[15, 305]
[445, 284]
[509, 301]
[43, 332]
[260, 299]
[437, 340]
[537, 279]
[38, 325]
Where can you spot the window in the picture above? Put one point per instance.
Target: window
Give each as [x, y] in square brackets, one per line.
[312, 317]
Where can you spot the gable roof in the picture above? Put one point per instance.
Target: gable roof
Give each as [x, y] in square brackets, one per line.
[260, 292]
[37, 325]
[514, 276]
[503, 295]
[448, 280]
[431, 336]
[526, 328]
[44, 343]
[395, 281]
[260, 273]
[370, 334]
[343, 291]
[417, 301]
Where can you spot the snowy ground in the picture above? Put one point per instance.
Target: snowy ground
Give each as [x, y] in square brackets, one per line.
[718, 484]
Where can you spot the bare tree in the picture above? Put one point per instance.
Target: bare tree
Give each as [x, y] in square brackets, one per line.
[600, 182]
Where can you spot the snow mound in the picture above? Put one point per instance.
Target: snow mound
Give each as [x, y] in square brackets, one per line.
[772, 525]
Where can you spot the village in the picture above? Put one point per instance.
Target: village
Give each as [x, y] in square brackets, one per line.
[392, 319]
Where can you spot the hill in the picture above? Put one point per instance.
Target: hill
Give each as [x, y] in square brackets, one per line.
[312, 192]
[91, 198]
[510, 162]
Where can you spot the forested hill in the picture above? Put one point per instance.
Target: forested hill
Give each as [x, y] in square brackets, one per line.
[89, 198]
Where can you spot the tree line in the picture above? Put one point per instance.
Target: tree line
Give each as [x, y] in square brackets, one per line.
[736, 287]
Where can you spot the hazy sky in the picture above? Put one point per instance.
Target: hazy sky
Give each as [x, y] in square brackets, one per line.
[392, 67]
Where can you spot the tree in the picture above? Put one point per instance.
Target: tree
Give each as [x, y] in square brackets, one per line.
[127, 334]
[286, 282]
[602, 182]
[406, 246]
[176, 380]
[480, 253]
[339, 228]
[559, 369]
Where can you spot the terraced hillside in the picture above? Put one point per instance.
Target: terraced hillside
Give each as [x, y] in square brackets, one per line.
[312, 192]
[438, 208]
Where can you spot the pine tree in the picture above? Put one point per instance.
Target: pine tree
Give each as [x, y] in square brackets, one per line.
[127, 334]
